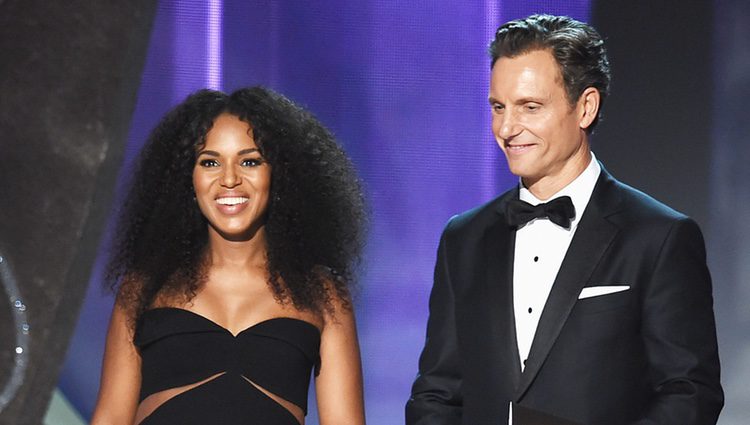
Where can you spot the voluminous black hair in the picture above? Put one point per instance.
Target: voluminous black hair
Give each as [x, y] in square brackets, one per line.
[315, 218]
[577, 47]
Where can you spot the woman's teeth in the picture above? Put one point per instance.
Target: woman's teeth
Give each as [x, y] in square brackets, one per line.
[232, 201]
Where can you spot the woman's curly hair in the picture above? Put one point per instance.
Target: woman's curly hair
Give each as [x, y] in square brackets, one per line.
[315, 218]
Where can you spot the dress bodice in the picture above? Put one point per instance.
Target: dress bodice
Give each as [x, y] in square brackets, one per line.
[179, 347]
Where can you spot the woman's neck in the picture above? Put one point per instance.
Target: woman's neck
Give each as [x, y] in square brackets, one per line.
[237, 253]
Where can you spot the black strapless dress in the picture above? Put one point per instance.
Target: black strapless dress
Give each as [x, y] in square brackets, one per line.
[179, 347]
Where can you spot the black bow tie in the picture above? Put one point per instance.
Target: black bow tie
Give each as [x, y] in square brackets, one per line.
[559, 211]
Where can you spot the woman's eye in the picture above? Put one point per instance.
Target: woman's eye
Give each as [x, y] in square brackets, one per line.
[208, 163]
[251, 162]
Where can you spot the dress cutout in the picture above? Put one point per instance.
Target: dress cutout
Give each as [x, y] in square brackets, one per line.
[240, 378]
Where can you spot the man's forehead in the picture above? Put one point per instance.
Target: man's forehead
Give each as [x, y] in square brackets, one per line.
[535, 70]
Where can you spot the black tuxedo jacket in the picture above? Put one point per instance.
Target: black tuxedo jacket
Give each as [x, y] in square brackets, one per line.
[646, 355]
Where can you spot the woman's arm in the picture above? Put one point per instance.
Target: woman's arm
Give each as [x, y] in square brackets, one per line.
[338, 386]
[121, 374]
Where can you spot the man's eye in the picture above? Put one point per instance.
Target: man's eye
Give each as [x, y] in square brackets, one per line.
[208, 163]
[532, 107]
[496, 107]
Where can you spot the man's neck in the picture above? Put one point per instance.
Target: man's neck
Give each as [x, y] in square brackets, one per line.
[545, 187]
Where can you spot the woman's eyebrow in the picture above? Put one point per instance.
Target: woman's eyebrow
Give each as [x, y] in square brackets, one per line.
[216, 154]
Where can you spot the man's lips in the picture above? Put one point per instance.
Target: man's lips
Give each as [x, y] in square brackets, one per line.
[519, 148]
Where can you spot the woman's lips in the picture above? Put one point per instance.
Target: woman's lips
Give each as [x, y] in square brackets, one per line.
[231, 205]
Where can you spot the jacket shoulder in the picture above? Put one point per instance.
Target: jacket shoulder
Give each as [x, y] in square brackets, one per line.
[641, 214]
[640, 206]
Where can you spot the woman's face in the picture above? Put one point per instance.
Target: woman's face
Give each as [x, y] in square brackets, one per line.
[231, 180]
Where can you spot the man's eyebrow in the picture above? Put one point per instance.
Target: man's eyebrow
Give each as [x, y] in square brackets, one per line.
[523, 100]
[493, 100]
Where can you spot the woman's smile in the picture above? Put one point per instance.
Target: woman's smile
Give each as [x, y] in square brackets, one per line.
[232, 204]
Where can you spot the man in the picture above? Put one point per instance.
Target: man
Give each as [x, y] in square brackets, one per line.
[595, 306]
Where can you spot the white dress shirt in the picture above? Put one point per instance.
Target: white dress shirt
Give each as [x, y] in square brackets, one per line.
[539, 251]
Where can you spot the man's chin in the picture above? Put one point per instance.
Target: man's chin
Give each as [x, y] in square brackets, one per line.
[523, 172]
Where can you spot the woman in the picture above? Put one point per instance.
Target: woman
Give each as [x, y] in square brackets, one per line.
[236, 245]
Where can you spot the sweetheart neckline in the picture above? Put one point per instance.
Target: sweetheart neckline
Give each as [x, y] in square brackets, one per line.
[253, 326]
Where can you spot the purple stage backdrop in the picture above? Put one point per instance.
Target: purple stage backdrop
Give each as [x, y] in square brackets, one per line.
[403, 85]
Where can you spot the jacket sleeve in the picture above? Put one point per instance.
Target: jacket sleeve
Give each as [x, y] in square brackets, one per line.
[679, 333]
[436, 394]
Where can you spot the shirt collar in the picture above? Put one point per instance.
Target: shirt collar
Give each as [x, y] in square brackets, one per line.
[579, 190]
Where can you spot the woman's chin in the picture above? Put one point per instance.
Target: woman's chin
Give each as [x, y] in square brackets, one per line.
[237, 234]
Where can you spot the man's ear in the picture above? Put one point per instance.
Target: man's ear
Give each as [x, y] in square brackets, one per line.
[588, 106]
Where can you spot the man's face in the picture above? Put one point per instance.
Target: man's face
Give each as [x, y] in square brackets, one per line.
[542, 135]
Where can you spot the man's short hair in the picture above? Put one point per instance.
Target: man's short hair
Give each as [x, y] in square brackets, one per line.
[576, 46]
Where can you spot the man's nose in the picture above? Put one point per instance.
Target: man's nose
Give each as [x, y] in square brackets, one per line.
[507, 126]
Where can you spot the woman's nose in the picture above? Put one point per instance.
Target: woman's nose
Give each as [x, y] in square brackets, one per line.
[230, 178]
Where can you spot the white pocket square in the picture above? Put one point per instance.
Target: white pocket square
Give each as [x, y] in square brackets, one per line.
[596, 291]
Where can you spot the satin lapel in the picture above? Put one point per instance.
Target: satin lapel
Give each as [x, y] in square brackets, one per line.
[498, 247]
[593, 236]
